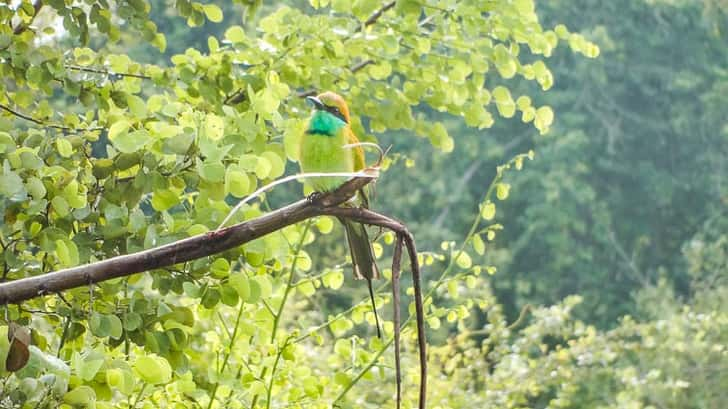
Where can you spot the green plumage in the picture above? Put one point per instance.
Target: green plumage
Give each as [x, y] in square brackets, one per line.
[323, 151]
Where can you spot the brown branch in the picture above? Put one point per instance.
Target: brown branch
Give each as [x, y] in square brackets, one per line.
[22, 115]
[369, 217]
[106, 72]
[217, 241]
[377, 14]
[45, 125]
[358, 66]
[181, 251]
[395, 301]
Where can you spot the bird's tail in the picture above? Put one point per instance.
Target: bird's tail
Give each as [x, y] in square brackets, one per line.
[362, 258]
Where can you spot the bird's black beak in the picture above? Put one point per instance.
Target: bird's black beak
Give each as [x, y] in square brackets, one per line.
[317, 104]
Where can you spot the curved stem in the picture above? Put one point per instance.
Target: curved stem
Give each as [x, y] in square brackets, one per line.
[289, 285]
[418, 296]
[273, 372]
[227, 353]
[277, 316]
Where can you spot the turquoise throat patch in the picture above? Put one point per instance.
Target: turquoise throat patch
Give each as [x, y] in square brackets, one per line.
[325, 123]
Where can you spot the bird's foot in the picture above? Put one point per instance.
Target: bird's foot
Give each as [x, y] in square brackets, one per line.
[314, 197]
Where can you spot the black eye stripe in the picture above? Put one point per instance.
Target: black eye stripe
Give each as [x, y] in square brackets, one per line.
[336, 112]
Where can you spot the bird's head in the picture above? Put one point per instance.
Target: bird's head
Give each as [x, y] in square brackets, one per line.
[332, 103]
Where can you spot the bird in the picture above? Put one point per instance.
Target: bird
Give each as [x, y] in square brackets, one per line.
[323, 151]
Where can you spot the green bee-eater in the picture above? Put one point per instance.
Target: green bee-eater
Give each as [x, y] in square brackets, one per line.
[323, 151]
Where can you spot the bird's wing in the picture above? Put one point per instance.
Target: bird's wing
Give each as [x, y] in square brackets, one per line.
[358, 152]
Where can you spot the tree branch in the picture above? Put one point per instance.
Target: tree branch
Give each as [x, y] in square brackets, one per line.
[106, 72]
[369, 217]
[377, 14]
[192, 248]
[395, 301]
[217, 241]
[45, 125]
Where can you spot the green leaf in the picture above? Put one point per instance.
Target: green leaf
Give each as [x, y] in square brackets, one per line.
[64, 147]
[266, 288]
[67, 253]
[121, 378]
[236, 183]
[132, 321]
[81, 395]
[254, 296]
[464, 261]
[220, 268]
[214, 127]
[11, 184]
[487, 210]
[277, 165]
[478, 244]
[136, 105]
[306, 288]
[88, 364]
[262, 167]
[131, 142]
[544, 119]
[504, 101]
[501, 190]
[235, 34]
[7, 143]
[212, 171]
[99, 325]
[115, 327]
[325, 224]
[334, 279]
[241, 284]
[153, 369]
[213, 13]
[118, 128]
[35, 188]
[164, 199]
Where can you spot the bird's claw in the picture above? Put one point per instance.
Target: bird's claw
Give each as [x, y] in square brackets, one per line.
[314, 197]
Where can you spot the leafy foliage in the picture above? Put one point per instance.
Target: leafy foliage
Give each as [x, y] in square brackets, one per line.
[104, 154]
[129, 125]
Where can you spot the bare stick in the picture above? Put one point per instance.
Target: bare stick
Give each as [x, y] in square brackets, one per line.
[367, 216]
[396, 261]
[370, 145]
[377, 14]
[367, 173]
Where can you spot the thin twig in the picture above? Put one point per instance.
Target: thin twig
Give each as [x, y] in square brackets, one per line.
[45, 125]
[228, 352]
[360, 65]
[377, 14]
[277, 316]
[396, 262]
[269, 186]
[106, 72]
[366, 216]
